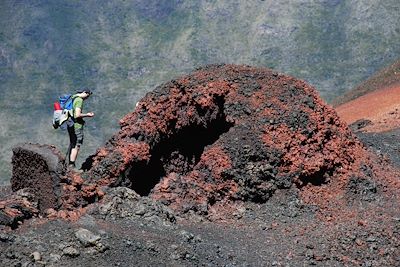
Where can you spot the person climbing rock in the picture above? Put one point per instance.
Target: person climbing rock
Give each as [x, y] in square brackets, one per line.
[75, 130]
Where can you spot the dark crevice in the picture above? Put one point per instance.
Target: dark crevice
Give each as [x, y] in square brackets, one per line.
[318, 178]
[88, 163]
[179, 154]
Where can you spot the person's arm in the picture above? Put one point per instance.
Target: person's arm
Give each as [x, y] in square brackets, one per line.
[79, 114]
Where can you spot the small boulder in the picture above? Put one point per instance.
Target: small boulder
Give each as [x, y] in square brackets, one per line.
[86, 237]
[38, 167]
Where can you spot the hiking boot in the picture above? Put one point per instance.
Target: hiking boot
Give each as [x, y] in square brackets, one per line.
[74, 169]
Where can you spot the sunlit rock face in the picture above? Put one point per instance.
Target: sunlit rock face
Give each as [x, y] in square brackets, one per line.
[226, 133]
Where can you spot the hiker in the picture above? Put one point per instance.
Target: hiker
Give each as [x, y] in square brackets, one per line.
[75, 130]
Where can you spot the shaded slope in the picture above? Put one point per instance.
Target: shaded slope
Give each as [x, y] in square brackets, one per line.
[373, 112]
[387, 77]
[374, 105]
[380, 107]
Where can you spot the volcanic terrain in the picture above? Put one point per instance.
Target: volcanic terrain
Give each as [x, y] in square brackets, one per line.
[381, 108]
[372, 110]
[374, 104]
[228, 166]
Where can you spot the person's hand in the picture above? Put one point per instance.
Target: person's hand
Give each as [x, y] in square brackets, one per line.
[90, 114]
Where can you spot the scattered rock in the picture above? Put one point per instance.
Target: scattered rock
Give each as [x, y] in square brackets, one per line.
[11, 254]
[310, 246]
[86, 237]
[364, 189]
[181, 253]
[6, 237]
[54, 257]
[140, 210]
[186, 235]
[100, 247]
[36, 256]
[152, 247]
[359, 124]
[122, 202]
[71, 252]
[18, 207]
[26, 264]
[87, 220]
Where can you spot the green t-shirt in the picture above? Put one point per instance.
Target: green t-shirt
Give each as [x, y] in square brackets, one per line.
[78, 103]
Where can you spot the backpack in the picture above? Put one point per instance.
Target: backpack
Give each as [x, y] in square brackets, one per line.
[63, 113]
[66, 101]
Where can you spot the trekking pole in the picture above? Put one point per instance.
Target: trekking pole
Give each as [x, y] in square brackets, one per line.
[67, 156]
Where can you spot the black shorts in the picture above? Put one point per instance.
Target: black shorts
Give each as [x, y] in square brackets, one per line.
[75, 137]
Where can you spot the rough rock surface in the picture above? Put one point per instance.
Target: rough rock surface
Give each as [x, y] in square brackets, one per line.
[42, 185]
[38, 167]
[122, 202]
[18, 207]
[229, 133]
[294, 185]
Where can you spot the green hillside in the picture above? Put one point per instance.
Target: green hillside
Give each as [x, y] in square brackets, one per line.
[124, 49]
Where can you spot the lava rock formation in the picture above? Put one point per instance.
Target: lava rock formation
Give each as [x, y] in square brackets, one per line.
[38, 167]
[221, 136]
[230, 165]
[227, 133]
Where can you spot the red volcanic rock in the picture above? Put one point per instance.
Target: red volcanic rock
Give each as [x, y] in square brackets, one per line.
[227, 133]
[41, 184]
[220, 135]
[38, 167]
[17, 207]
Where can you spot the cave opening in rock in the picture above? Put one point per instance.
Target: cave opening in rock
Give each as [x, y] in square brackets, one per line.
[179, 154]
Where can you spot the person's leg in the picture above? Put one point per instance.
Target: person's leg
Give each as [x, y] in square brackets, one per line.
[74, 155]
[78, 143]
[72, 144]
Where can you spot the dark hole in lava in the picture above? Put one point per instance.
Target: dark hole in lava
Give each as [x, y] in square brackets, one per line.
[318, 178]
[178, 154]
